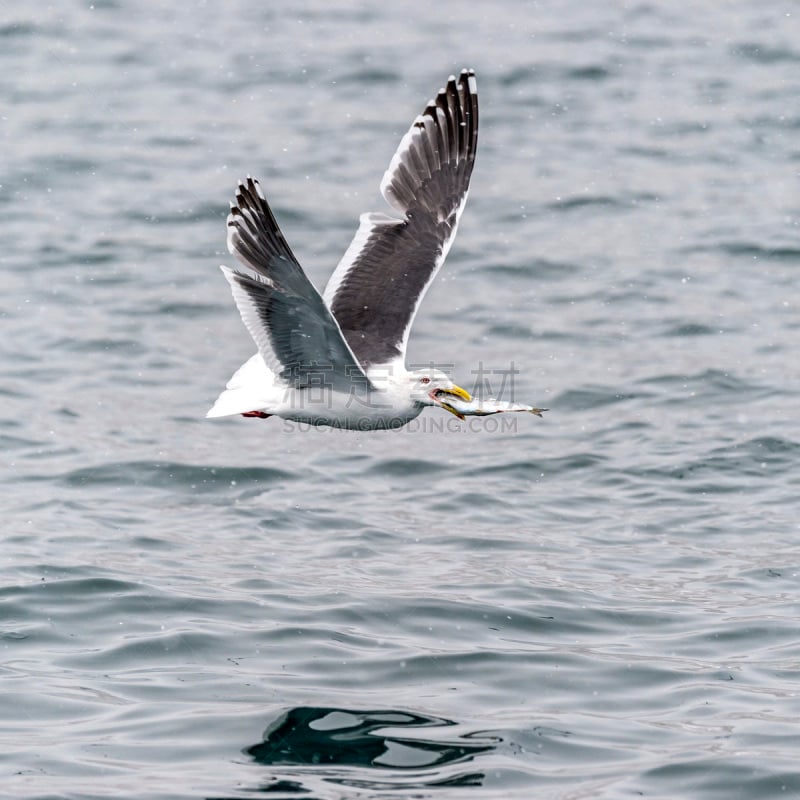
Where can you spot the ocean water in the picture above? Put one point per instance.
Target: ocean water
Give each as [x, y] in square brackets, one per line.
[603, 603]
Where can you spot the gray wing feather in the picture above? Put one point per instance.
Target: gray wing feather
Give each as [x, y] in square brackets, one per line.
[378, 285]
[295, 332]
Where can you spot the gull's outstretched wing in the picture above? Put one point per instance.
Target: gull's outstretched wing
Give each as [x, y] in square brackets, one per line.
[296, 334]
[378, 285]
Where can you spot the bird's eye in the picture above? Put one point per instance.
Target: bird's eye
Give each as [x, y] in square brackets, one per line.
[426, 379]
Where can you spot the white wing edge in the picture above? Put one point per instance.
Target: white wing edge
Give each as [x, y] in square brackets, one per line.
[398, 158]
[251, 320]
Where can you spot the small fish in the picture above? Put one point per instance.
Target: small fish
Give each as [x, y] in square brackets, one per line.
[482, 408]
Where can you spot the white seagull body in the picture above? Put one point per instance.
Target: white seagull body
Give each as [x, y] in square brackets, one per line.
[339, 359]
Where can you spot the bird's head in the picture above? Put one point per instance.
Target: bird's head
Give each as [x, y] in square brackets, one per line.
[431, 387]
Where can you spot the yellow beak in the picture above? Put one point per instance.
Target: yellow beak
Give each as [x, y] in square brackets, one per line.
[456, 391]
[453, 411]
[459, 392]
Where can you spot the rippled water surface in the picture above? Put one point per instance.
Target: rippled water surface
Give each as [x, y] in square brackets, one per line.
[602, 603]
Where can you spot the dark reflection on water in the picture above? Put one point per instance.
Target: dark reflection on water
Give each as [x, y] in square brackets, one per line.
[407, 748]
[279, 789]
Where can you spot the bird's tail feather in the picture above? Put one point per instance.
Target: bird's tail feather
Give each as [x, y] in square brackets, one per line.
[249, 389]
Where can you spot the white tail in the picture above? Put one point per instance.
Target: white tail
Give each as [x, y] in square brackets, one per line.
[250, 389]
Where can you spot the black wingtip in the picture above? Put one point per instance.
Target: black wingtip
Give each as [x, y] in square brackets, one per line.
[253, 232]
[249, 195]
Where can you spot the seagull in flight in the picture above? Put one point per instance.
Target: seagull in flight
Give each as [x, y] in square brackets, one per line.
[338, 359]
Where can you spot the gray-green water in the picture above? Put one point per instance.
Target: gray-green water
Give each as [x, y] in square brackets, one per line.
[600, 604]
